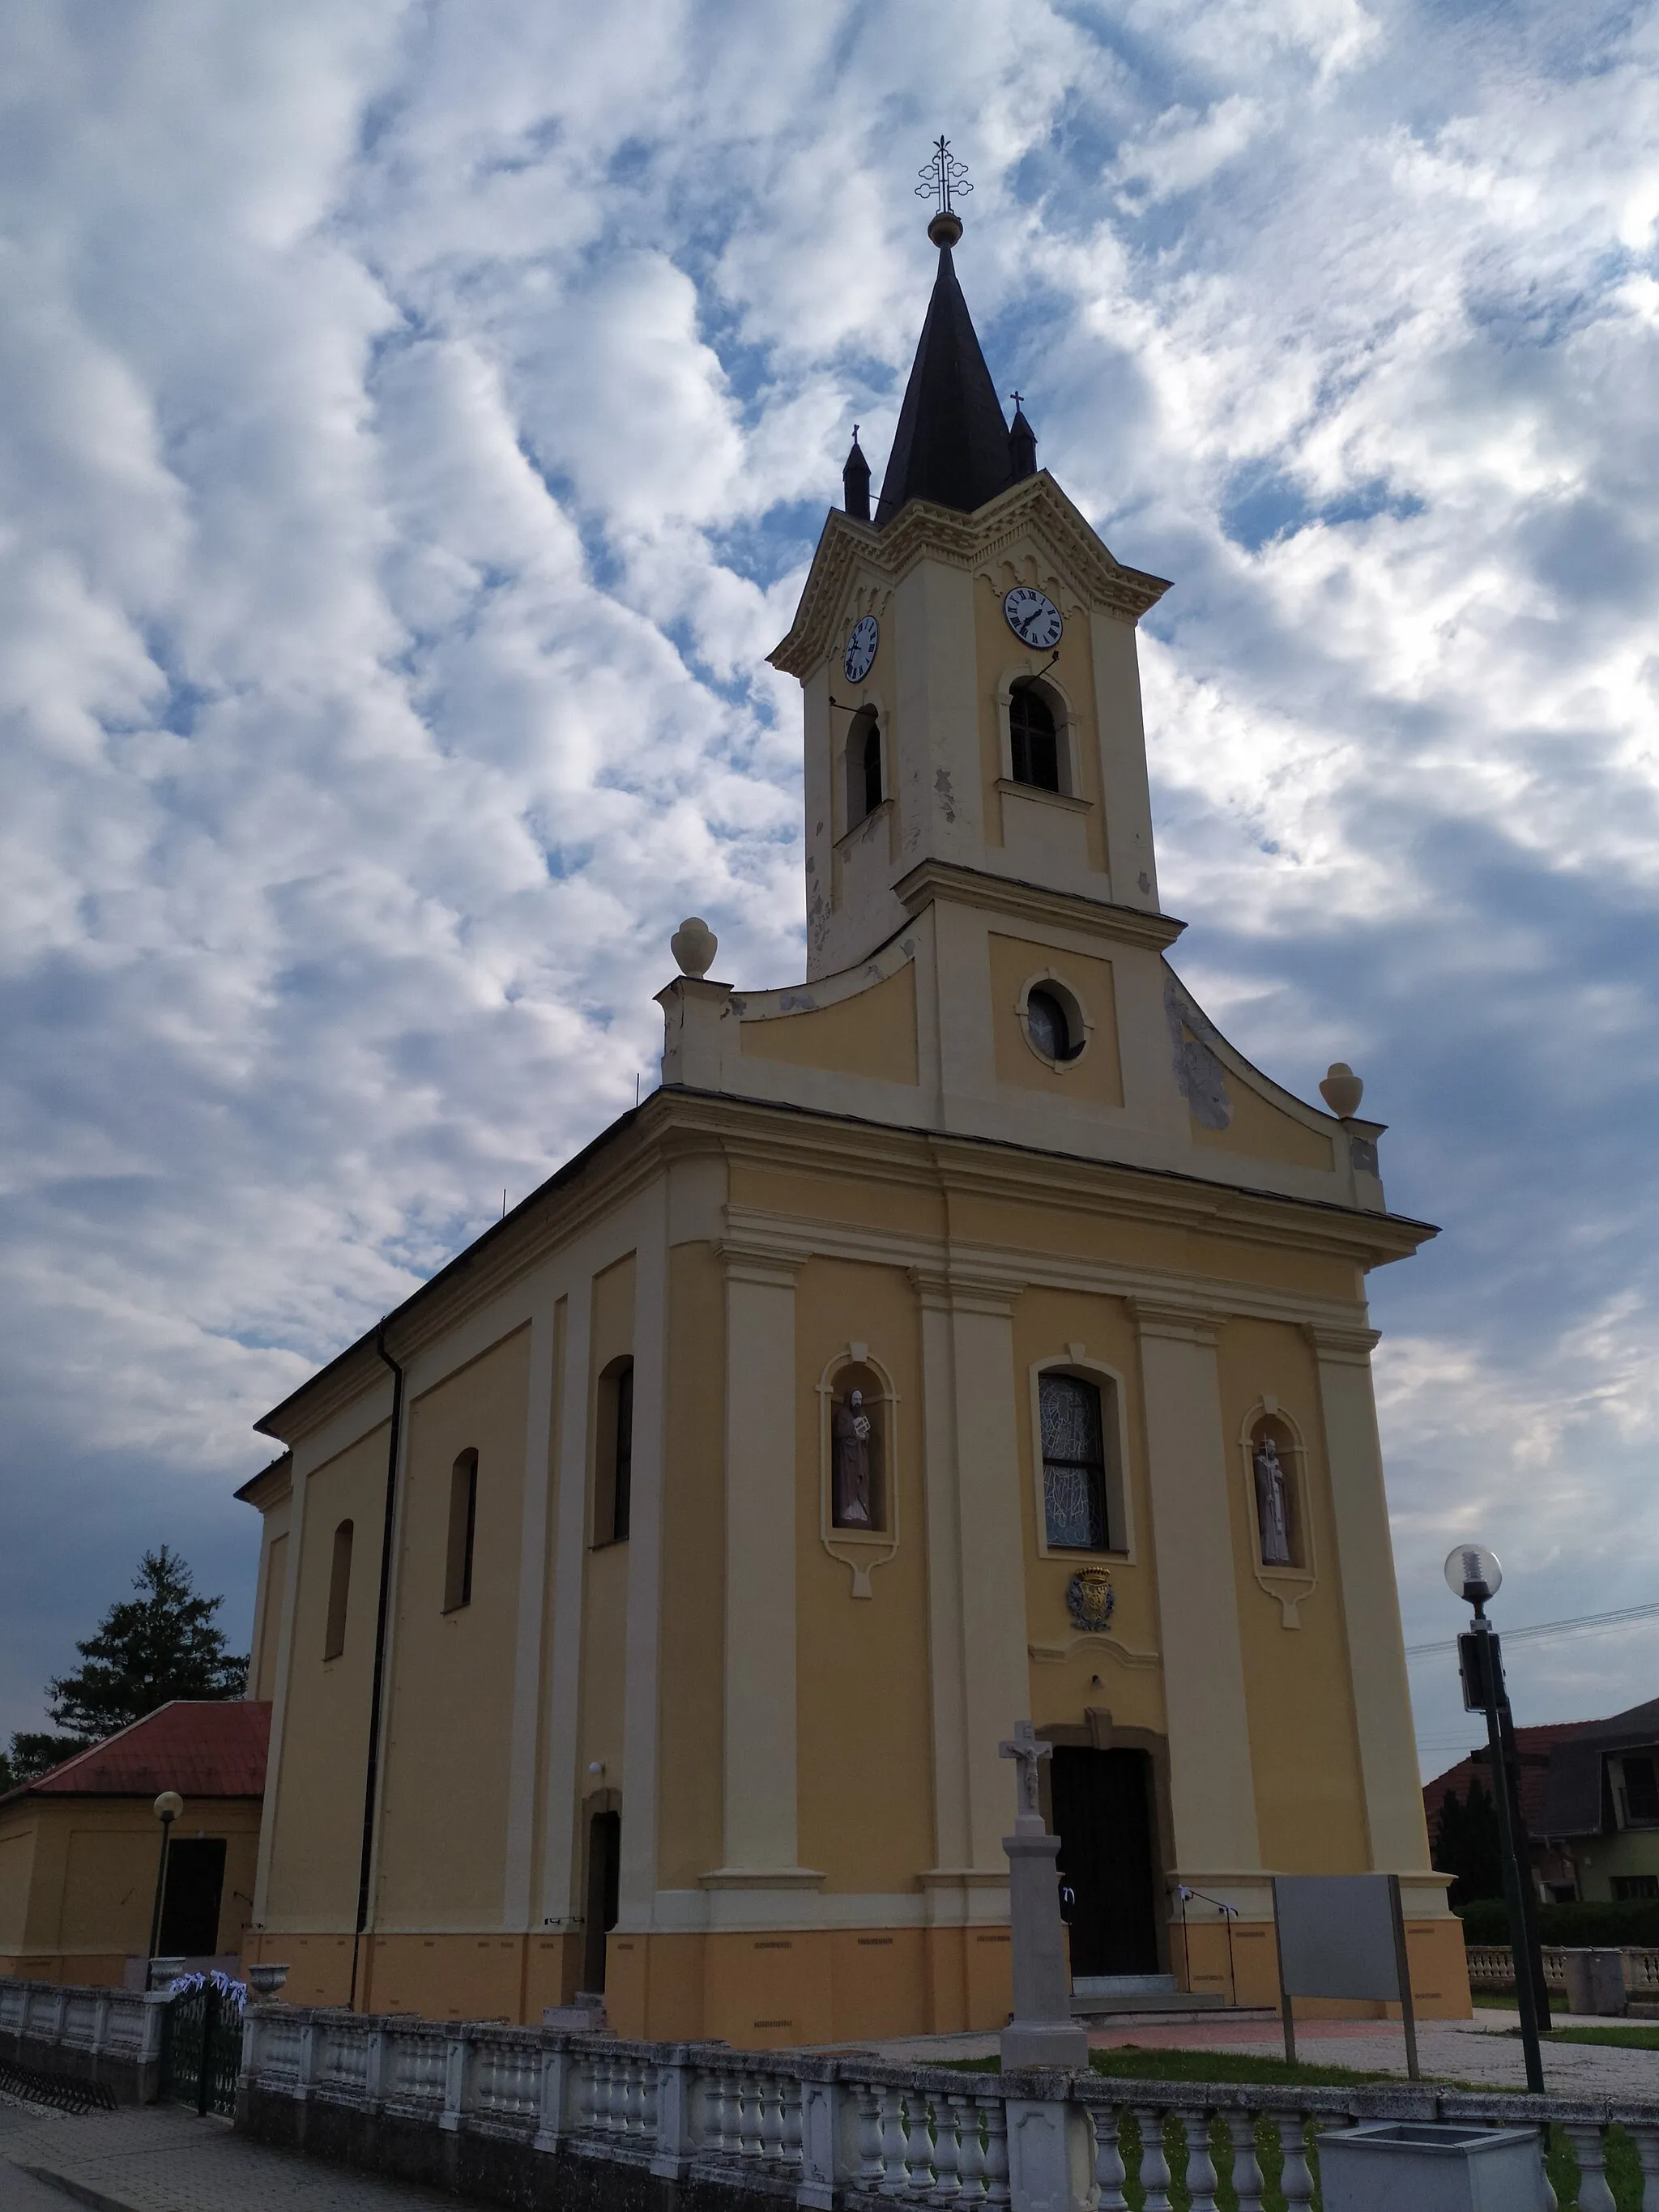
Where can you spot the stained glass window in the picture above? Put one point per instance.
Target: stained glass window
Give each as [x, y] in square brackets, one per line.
[1074, 1464]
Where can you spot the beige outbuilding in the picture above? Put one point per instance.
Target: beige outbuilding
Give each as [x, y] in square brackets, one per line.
[80, 1848]
[963, 1334]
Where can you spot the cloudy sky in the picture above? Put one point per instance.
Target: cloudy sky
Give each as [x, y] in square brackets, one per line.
[415, 424]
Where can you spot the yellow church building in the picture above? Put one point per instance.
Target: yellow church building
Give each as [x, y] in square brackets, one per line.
[964, 1333]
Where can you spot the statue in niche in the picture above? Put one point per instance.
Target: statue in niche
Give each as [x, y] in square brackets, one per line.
[852, 1436]
[1272, 1504]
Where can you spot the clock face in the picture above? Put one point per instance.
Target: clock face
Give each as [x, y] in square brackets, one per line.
[861, 649]
[1033, 617]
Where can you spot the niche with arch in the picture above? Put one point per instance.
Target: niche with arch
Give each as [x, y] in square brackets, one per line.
[463, 1528]
[858, 1481]
[1274, 1466]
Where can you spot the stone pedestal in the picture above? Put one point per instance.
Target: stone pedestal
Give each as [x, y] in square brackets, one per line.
[1042, 2032]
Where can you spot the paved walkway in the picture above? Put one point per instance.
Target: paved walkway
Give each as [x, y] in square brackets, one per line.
[161, 2159]
[1484, 2050]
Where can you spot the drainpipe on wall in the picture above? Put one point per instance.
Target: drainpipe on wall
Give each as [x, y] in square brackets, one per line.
[372, 1764]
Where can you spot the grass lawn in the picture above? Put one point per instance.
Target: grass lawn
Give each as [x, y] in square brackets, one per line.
[1626, 2037]
[1132, 2062]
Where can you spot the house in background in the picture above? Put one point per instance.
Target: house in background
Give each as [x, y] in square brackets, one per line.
[80, 1848]
[1590, 1802]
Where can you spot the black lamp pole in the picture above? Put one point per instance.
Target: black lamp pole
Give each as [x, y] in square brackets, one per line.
[1482, 1667]
[165, 1812]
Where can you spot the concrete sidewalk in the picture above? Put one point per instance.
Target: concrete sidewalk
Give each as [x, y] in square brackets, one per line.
[160, 2158]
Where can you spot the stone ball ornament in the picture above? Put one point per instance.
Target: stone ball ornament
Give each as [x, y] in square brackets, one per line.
[1342, 1090]
[693, 944]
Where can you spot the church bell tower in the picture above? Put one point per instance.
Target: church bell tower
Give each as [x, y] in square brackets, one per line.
[968, 657]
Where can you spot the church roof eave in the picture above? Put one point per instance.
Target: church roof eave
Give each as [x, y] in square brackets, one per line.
[1035, 504]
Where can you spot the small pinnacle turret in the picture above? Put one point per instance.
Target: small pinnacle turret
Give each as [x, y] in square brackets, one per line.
[1021, 442]
[855, 482]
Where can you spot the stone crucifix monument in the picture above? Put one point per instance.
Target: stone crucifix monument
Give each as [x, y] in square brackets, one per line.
[1042, 2032]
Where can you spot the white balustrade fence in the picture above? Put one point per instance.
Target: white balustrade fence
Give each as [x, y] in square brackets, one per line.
[102, 2023]
[1491, 1966]
[833, 2131]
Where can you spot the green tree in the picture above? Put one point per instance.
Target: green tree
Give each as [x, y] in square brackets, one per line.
[1465, 1844]
[147, 1650]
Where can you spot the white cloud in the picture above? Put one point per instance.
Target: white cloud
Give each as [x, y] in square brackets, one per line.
[413, 423]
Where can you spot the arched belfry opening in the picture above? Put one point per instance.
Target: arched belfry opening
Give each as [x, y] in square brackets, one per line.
[1033, 737]
[864, 780]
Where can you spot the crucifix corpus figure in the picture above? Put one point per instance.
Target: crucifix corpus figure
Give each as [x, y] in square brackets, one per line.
[1028, 1749]
[851, 1429]
[1272, 1515]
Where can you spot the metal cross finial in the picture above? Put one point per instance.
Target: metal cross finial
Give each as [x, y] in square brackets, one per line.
[1019, 398]
[943, 176]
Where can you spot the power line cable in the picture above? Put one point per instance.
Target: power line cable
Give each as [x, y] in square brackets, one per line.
[1582, 1624]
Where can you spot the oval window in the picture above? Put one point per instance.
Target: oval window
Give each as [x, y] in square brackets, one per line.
[1049, 1026]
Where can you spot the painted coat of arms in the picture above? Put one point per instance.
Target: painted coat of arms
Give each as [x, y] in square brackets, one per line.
[1090, 1600]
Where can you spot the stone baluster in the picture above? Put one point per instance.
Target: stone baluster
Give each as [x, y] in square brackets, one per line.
[994, 2114]
[1296, 2182]
[1594, 2194]
[918, 2148]
[730, 2143]
[633, 2099]
[749, 2116]
[1109, 2175]
[598, 2094]
[455, 2072]
[1200, 2166]
[1246, 2167]
[1647, 2149]
[869, 2135]
[1154, 2165]
[970, 2166]
[790, 2115]
[770, 2091]
[950, 2126]
[894, 2179]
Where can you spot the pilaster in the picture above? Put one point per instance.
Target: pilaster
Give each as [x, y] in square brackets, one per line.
[1212, 1782]
[759, 1772]
[642, 1687]
[544, 1332]
[563, 1710]
[1370, 1603]
[975, 1559]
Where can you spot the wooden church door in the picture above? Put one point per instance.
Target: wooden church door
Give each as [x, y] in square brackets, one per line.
[1103, 1816]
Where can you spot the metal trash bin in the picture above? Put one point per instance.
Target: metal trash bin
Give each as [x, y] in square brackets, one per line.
[1431, 2166]
[1595, 1981]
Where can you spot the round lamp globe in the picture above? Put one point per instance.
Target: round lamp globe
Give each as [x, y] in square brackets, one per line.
[169, 1805]
[1471, 1568]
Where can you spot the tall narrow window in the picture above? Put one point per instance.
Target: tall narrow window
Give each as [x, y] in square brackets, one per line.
[1034, 743]
[864, 792]
[1074, 1464]
[463, 1520]
[623, 1457]
[339, 1593]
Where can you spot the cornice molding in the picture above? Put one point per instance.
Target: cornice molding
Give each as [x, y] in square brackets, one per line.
[949, 1289]
[921, 531]
[1177, 1323]
[775, 1265]
[932, 880]
[1340, 1346]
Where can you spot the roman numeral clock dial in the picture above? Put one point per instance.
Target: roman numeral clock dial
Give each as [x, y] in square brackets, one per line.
[861, 649]
[1033, 617]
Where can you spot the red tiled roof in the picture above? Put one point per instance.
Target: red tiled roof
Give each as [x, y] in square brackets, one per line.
[200, 1747]
[1534, 1745]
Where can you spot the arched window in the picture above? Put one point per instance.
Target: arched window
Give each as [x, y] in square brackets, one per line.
[864, 792]
[613, 1470]
[339, 1593]
[1074, 1464]
[1033, 740]
[463, 1520]
[1050, 1026]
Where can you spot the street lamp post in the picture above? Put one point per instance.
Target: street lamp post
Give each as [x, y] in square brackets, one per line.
[168, 1806]
[1474, 1574]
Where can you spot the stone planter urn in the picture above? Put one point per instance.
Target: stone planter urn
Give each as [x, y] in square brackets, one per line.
[264, 1981]
[1433, 2165]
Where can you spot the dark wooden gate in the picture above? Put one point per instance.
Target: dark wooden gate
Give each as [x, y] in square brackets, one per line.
[202, 2046]
[1103, 1816]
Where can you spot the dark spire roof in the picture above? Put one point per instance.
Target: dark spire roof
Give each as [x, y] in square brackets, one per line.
[1022, 443]
[951, 445]
[855, 482]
